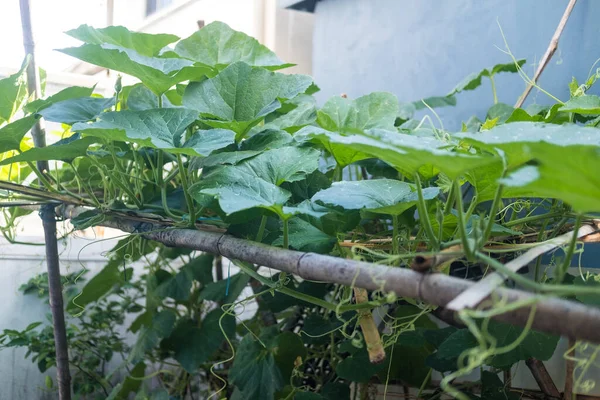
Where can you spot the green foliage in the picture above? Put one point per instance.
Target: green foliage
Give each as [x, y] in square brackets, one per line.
[212, 135]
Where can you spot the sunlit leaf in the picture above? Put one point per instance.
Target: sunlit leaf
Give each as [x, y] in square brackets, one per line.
[286, 164]
[75, 110]
[65, 150]
[241, 96]
[375, 110]
[159, 74]
[218, 45]
[12, 134]
[13, 90]
[71, 92]
[584, 105]
[144, 43]
[161, 128]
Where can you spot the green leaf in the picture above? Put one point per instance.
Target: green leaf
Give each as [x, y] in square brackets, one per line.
[71, 92]
[267, 139]
[159, 74]
[358, 368]
[195, 345]
[12, 134]
[383, 196]
[409, 153]
[303, 236]
[202, 267]
[241, 96]
[177, 287]
[494, 389]
[254, 370]
[162, 128]
[473, 80]
[161, 327]
[375, 110]
[286, 164]
[224, 158]
[536, 344]
[141, 98]
[217, 291]
[218, 45]
[522, 141]
[289, 348]
[13, 91]
[133, 382]
[75, 110]
[304, 114]
[336, 391]
[237, 190]
[434, 102]
[144, 43]
[584, 105]
[65, 150]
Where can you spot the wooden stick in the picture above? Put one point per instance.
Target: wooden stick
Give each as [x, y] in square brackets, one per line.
[48, 218]
[482, 289]
[425, 263]
[369, 329]
[553, 314]
[542, 377]
[549, 52]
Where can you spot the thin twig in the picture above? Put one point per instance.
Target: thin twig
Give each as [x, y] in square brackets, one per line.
[549, 52]
[542, 377]
[570, 367]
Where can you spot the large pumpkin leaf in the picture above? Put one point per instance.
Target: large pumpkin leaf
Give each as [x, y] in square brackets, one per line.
[75, 110]
[159, 74]
[584, 105]
[574, 179]
[241, 96]
[141, 98]
[161, 128]
[375, 110]
[144, 43]
[65, 150]
[71, 92]
[12, 134]
[13, 90]
[304, 113]
[218, 45]
[195, 345]
[519, 141]
[161, 327]
[286, 164]
[384, 196]
[407, 153]
[237, 190]
[254, 371]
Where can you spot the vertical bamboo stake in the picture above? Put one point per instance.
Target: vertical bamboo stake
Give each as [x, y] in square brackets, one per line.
[369, 329]
[48, 218]
[570, 367]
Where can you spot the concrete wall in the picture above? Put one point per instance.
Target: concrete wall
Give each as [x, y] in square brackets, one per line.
[421, 48]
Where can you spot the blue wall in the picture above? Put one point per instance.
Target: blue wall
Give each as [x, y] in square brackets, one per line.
[421, 48]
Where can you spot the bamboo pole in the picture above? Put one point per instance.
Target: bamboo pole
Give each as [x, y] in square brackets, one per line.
[48, 218]
[553, 315]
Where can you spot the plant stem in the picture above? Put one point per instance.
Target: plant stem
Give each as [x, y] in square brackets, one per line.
[285, 233]
[188, 197]
[493, 212]
[462, 228]
[424, 216]
[533, 218]
[493, 88]
[395, 245]
[261, 229]
[562, 270]
[47, 184]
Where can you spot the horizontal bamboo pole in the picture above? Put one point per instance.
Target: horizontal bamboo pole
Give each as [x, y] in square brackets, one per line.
[553, 315]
